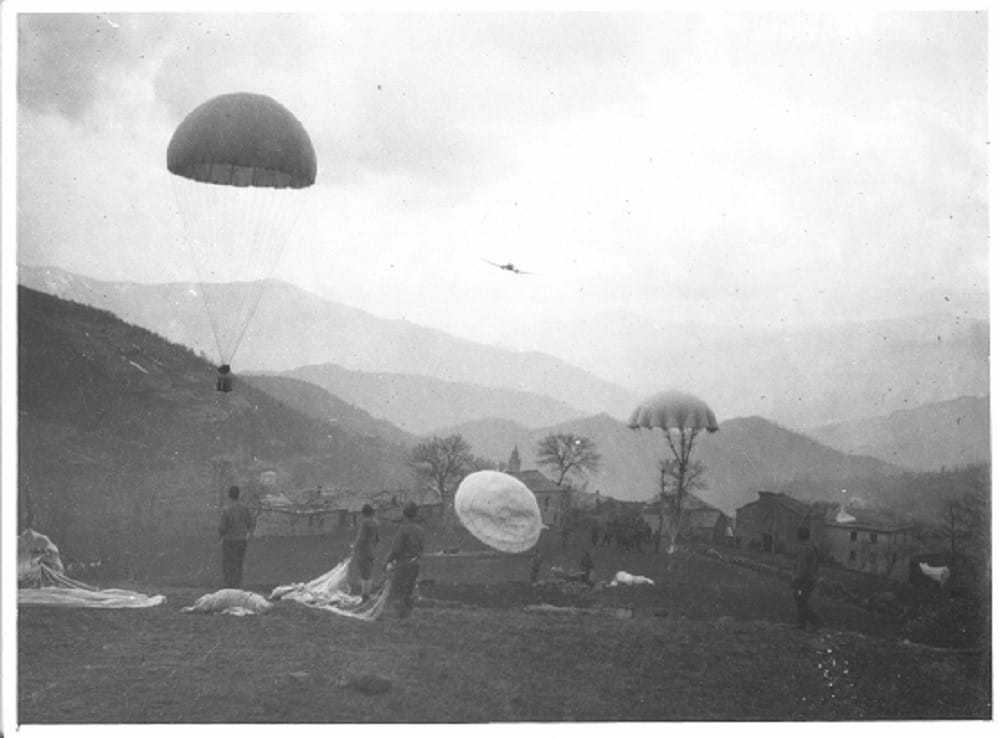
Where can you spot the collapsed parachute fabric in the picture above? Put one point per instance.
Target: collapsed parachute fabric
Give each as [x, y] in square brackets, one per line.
[239, 160]
[499, 510]
[41, 581]
[37, 557]
[329, 592]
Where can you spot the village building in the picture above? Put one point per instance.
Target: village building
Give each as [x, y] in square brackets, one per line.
[553, 501]
[771, 522]
[869, 541]
[320, 511]
[703, 523]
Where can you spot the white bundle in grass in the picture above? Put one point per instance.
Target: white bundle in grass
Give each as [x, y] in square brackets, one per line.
[939, 574]
[623, 577]
[230, 602]
[499, 510]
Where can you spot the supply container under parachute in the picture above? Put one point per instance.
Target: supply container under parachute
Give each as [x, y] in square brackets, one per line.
[240, 161]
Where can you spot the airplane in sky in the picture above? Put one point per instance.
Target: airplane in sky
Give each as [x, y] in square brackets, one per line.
[509, 267]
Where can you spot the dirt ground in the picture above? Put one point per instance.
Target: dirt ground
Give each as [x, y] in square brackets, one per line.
[708, 642]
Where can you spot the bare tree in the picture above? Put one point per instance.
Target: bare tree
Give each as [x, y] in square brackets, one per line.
[676, 478]
[965, 519]
[442, 463]
[567, 454]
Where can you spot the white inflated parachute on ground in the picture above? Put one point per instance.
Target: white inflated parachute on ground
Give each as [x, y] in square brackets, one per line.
[499, 510]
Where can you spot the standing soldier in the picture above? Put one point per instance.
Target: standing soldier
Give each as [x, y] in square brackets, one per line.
[404, 560]
[805, 573]
[586, 564]
[235, 528]
[364, 549]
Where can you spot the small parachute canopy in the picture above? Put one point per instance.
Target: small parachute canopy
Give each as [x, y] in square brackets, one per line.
[243, 140]
[499, 510]
[674, 409]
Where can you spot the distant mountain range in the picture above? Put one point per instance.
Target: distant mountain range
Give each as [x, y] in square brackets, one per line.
[294, 328]
[122, 436]
[420, 404]
[925, 438]
[745, 455]
[315, 402]
[799, 377]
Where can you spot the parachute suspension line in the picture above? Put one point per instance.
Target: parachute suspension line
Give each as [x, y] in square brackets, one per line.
[244, 231]
[272, 233]
[183, 199]
[267, 230]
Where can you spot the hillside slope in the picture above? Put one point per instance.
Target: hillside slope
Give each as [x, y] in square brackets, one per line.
[315, 402]
[924, 438]
[122, 434]
[420, 404]
[745, 455]
[294, 328]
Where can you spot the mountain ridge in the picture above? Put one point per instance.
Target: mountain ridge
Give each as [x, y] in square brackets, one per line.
[294, 328]
[123, 437]
[951, 433]
[418, 404]
[744, 456]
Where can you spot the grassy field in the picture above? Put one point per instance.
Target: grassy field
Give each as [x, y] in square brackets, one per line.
[710, 641]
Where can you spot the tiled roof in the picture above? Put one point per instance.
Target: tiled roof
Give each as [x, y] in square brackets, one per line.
[537, 482]
[704, 517]
[865, 520]
[783, 500]
[690, 502]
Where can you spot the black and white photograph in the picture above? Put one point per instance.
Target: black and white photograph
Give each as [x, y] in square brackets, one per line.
[531, 366]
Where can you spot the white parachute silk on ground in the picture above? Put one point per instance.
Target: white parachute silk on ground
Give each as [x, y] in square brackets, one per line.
[59, 590]
[42, 581]
[329, 592]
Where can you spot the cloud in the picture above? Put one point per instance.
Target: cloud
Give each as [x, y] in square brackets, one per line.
[743, 165]
[69, 62]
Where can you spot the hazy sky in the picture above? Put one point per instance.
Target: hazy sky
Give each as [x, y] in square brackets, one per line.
[723, 168]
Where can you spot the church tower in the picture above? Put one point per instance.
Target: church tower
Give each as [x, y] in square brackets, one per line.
[513, 465]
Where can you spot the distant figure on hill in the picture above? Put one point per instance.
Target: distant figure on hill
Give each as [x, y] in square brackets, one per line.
[364, 549]
[586, 564]
[806, 571]
[235, 528]
[404, 560]
[535, 565]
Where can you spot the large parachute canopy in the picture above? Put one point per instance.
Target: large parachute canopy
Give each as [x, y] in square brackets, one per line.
[239, 161]
[499, 510]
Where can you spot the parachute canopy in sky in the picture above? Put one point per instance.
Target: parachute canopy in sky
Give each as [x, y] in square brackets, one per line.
[499, 510]
[240, 162]
[674, 409]
[243, 140]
